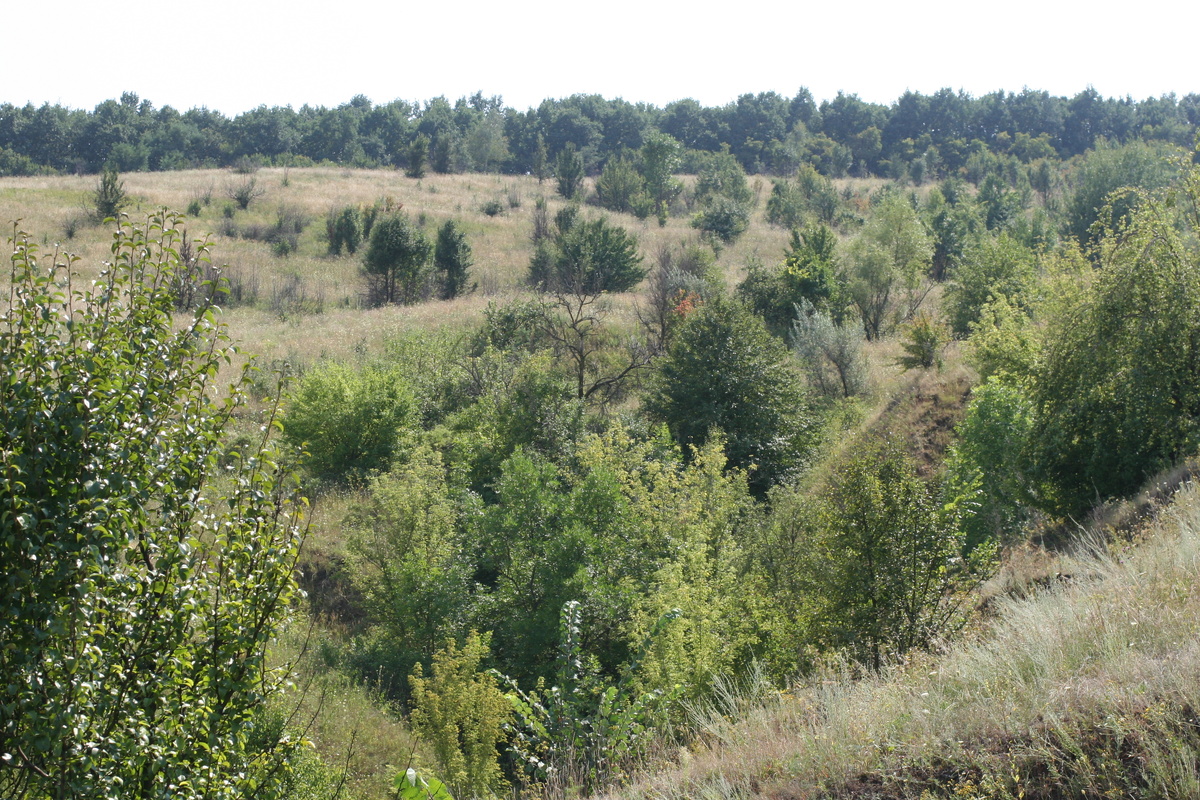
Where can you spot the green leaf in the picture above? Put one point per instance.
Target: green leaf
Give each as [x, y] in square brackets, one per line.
[411, 786]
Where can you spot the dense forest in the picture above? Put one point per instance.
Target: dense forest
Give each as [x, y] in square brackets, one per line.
[920, 136]
[617, 437]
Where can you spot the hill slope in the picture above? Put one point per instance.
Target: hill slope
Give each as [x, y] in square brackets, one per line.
[1088, 688]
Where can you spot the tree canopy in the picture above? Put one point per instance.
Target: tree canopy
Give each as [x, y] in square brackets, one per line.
[725, 375]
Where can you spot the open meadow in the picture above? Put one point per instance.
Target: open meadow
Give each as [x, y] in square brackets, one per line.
[309, 304]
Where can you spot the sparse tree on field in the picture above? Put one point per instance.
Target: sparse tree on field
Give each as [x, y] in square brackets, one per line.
[109, 196]
[418, 157]
[344, 229]
[660, 159]
[568, 170]
[452, 259]
[541, 159]
[396, 261]
[246, 192]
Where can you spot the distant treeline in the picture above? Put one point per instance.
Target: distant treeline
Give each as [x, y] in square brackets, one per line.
[946, 132]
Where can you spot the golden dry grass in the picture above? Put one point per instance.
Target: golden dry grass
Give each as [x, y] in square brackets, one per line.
[280, 326]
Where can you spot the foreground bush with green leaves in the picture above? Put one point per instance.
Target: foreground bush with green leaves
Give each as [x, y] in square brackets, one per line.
[144, 569]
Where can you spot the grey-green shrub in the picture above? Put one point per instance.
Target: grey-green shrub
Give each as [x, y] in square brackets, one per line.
[832, 354]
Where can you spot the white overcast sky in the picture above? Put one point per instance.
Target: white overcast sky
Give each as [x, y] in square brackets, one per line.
[233, 55]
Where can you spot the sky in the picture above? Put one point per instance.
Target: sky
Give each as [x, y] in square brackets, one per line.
[234, 55]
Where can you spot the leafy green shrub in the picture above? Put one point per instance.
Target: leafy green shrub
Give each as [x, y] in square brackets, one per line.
[721, 175]
[660, 161]
[786, 206]
[492, 207]
[723, 219]
[889, 574]
[371, 213]
[923, 340]
[143, 576]
[887, 264]
[1003, 341]
[13, 163]
[284, 234]
[514, 327]
[348, 419]
[406, 562]
[584, 731]
[522, 402]
[461, 713]
[993, 267]
[791, 203]
[953, 226]
[620, 188]
[993, 454]
[807, 274]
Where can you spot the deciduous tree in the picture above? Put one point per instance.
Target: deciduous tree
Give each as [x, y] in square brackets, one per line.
[889, 574]
[1117, 392]
[145, 568]
[724, 372]
[887, 267]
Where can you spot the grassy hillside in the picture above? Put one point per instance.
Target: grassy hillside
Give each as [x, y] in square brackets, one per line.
[308, 304]
[1086, 688]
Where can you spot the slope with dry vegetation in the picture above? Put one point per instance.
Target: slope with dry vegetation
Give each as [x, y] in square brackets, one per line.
[1086, 687]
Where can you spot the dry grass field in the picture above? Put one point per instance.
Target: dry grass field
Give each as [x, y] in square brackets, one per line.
[308, 304]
